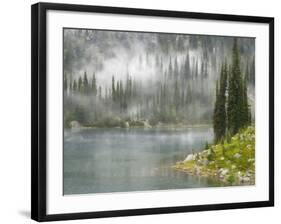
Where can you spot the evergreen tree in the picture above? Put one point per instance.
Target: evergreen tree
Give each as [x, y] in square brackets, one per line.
[80, 84]
[196, 69]
[157, 60]
[113, 89]
[74, 86]
[65, 87]
[176, 68]
[134, 89]
[100, 93]
[189, 95]
[121, 96]
[117, 92]
[85, 84]
[130, 87]
[202, 69]
[182, 99]
[235, 106]
[219, 119]
[252, 72]
[94, 85]
[69, 85]
[246, 113]
[106, 93]
[170, 69]
[176, 96]
[247, 73]
[186, 68]
[79, 114]
[161, 65]
[206, 70]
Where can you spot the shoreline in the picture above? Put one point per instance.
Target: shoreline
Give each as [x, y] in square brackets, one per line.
[164, 126]
[232, 163]
[214, 174]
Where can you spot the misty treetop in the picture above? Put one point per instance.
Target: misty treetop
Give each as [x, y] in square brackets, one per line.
[114, 78]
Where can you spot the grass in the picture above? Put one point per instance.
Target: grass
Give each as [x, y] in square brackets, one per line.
[232, 162]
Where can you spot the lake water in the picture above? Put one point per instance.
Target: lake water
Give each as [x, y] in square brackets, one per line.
[122, 160]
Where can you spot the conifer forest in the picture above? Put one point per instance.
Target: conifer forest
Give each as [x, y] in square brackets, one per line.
[161, 78]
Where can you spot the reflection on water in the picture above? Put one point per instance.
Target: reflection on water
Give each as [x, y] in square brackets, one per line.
[121, 160]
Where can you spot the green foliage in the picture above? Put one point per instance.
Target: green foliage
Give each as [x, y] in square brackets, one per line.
[75, 86]
[246, 113]
[176, 69]
[219, 118]
[237, 113]
[68, 117]
[206, 145]
[231, 179]
[79, 114]
[109, 122]
[237, 157]
[113, 88]
[86, 87]
[136, 123]
[80, 84]
[94, 85]
[210, 153]
[186, 68]
[100, 93]
[231, 113]
[65, 82]
[176, 96]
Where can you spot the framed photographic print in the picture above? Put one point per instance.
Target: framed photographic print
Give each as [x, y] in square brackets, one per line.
[139, 111]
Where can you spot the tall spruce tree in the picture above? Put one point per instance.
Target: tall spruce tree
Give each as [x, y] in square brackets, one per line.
[196, 69]
[176, 96]
[74, 86]
[246, 114]
[170, 69]
[235, 93]
[220, 109]
[216, 115]
[117, 92]
[65, 83]
[176, 68]
[80, 84]
[85, 83]
[100, 93]
[94, 85]
[186, 68]
[252, 72]
[113, 89]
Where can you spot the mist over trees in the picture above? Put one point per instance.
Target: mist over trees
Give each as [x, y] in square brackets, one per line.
[115, 77]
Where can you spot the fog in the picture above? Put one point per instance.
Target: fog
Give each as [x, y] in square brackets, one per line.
[167, 78]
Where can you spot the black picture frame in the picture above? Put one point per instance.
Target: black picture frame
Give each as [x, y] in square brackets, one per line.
[39, 108]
